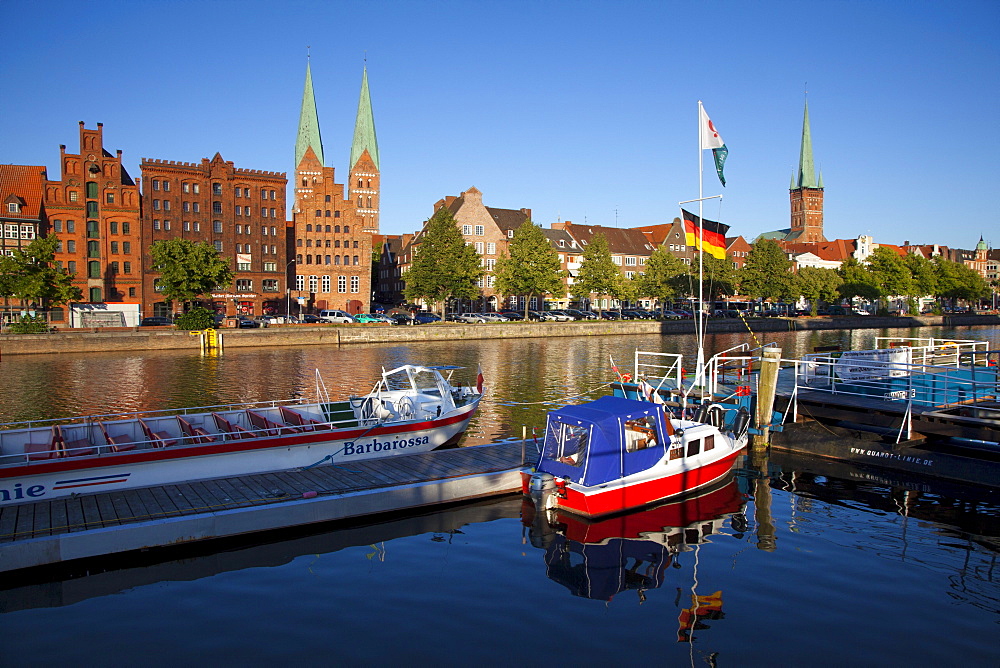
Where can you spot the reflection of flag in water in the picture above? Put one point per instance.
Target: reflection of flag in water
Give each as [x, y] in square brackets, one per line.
[690, 619]
[479, 380]
[699, 230]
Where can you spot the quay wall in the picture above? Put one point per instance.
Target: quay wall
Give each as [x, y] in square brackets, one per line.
[156, 338]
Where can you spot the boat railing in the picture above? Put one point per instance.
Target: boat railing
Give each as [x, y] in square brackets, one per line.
[936, 385]
[666, 369]
[166, 412]
[930, 350]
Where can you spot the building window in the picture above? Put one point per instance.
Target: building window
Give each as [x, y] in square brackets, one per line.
[113, 227]
[216, 188]
[109, 198]
[270, 266]
[336, 214]
[166, 224]
[95, 295]
[156, 205]
[342, 284]
[355, 284]
[242, 266]
[166, 205]
[71, 246]
[313, 283]
[114, 267]
[186, 226]
[216, 207]
[244, 284]
[92, 189]
[479, 247]
[114, 248]
[156, 184]
[166, 186]
[356, 259]
[93, 249]
[480, 230]
[28, 232]
[466, 230]
[186, 206]
[269, 285]
[126, 228]
[347, 229]
[197, 226]
[218, 245]
[217, 226]
[185, 187]
[93, 270]
[127, 266]
[57, 226]
[74, 195]
[326, 283]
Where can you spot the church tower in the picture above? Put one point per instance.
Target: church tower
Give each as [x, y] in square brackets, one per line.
[364, 182]
[806, 193]
[332, 257]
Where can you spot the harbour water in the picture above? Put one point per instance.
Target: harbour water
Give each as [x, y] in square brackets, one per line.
[797, 561]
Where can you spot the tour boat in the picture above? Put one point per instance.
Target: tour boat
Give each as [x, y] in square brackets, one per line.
[615, 454]
[411, 409]
[598, 559]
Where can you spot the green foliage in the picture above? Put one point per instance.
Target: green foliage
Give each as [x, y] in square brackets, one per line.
[29, 325]
[32, 275]
[663, 277]
[720, 277]
[889, 273]
[189, 269]
[533, 267]
[444, 267]
[818, 284]
[598, 275]
[857, 280]
[196, 318]
[958, 281]
[767, 272]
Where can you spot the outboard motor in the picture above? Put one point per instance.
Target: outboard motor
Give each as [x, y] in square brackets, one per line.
[541, 488]
[741, 422]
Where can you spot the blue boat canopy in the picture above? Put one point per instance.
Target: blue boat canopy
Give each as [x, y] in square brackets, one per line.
[603, 440]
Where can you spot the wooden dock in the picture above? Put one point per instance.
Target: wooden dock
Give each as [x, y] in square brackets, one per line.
[86, 526]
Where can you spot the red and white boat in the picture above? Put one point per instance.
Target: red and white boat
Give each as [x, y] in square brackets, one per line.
[616, 454]
[412, 409]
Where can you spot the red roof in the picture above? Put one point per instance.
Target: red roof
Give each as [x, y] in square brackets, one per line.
[26, 183]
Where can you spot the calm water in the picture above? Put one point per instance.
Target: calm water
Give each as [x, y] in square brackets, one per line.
[816, 563]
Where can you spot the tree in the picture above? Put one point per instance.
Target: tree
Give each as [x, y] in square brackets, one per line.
[444, 267]
[924, 278]
[890, 274]
[719, 276]
[188, 269]
[598, 273]
[661, 280]
[958, 281]
[818, 284]
[857, 280]
[767, 272]
[532, 268]
[32, 276]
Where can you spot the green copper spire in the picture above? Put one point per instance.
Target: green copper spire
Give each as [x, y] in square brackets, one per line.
[807, 173]
[364, 127]
[308, 124]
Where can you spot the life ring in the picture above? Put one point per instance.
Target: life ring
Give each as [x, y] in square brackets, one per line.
[405, 408]
[625, 378]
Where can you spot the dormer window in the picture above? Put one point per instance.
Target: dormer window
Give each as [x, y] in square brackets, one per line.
[562, 243]
[13, 207]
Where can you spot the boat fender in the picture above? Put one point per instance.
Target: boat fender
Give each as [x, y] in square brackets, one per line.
[310, 494]
[741, 422]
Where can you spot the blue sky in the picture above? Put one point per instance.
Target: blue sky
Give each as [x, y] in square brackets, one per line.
[582, 111]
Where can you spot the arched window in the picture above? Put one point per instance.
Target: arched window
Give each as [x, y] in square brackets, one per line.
[327, 213]
[336, 243]
[309, 243]
[327, 259]
[327, 228]
[298, 260]
[309, 227]
[305, 183]
[298, 242]
[369, 202]
[359, 200]
[369, 183]
[336, 259]
[327, 198]
[347, 228]
[336, 229]
[347, 259]
[360, 184]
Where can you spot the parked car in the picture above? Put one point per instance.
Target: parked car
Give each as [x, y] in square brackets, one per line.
[248, 323]
[609, 315]
[156, 321]
[512, 315]
[403, 319]
[311, 319]
[589, 315]
[493, 316]
[426, 317]
[535, 315]
[281, 319]
[558, 316]
[371, 318]
[336, 316]
[470, 318]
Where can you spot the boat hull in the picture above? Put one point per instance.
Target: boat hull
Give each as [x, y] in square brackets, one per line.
[38, 481]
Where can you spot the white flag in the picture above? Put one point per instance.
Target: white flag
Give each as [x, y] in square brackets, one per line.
[709, 135]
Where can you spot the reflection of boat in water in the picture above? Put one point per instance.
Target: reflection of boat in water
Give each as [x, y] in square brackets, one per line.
[412, 409]
[598, 559]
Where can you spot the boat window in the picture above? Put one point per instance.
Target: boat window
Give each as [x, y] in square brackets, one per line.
[566, 443]
[426, 382]
[709, 442]
[677, 452]
[640, 433]
[694, 447]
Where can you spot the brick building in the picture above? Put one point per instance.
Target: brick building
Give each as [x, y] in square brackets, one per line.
[23, 213]
[239, 211]
[333, 231]
[94, 210]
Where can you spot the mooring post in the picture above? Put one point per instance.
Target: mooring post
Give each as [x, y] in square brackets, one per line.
[767, 385]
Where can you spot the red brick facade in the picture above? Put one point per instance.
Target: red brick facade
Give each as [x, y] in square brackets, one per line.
[807, 214]
[239, 211]
[333, 249]
[94, 210]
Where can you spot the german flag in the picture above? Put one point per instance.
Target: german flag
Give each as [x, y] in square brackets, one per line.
[713, 233]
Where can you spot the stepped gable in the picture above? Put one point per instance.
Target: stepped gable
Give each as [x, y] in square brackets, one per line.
[24, 184]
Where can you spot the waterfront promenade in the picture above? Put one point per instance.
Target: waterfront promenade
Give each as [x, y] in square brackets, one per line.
[157, 338]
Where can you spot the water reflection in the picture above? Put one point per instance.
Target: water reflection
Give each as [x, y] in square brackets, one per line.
[599, 559]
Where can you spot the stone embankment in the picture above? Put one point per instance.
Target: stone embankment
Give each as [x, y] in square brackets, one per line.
[158, 338]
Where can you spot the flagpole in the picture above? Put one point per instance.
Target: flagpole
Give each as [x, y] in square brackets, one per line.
[700, 334]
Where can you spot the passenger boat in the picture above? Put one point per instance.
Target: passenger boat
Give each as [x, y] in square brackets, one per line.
[598, 559]
[411, 409]
[615, 454]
